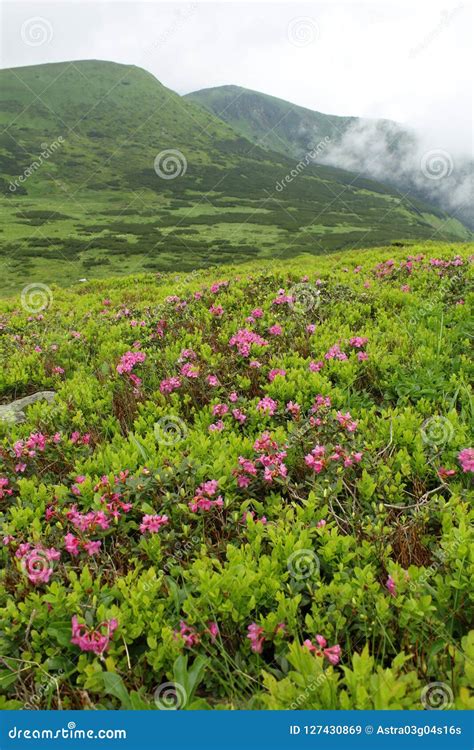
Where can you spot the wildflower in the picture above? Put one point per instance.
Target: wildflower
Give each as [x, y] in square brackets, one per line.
[212, 380]
[274, 373]
[390, 584]
[97, 641]
[293, 409]
[444, 473]
[217, 426]
[256, 637]
[316, 366]
[153, 523]
[189, 371]
[219, 410]
[170, 384]
[188, 634]
[216, 310]
[321, 524]
[267, 405]
[244, 339]
[275, 330]
[466, 459]
[239, 416]
[129, 360]
[332, 653]
[346, 421]
[5, 490]
[213, 630]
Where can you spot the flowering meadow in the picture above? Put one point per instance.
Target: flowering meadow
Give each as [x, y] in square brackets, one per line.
[251, 488]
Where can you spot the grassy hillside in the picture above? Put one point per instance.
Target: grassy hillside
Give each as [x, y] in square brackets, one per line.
[382, 150]
[94, 206]
[274, 123]
[252, 483]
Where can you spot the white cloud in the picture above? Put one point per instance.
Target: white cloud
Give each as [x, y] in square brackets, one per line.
[410, 62]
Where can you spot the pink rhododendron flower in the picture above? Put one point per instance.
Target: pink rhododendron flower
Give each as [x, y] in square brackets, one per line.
[316, 366]
[217, 426]
[244, 339]
[188, 634]
[275, 330]
[152, 524]
[129, 360]
[444, 473]
[390, 584]
[346, 421]
[216, 310]
[170, 384]
[95, 640]
[293, 409]
[274, 373]
[239, 415]
[267, 405]
[256, 637]
[332, 653]
[219, 410]
[466, 459]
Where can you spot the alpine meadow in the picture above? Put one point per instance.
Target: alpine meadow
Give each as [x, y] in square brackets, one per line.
[236, 412]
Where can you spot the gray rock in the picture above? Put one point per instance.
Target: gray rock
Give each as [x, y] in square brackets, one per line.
[14, 413]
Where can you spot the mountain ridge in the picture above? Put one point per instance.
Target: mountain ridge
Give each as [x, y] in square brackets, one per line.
[99, 203]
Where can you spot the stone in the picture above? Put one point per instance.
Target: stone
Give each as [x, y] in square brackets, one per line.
[14, 413]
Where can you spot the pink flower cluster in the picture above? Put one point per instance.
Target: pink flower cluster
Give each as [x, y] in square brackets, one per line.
[36, 561]
[5, 490]
[89, 639]
[129, 360]
[466, 459]
[74, 545]
[202, 499]
[153, 524]
[318, 461]
[331, 653]
[270, 458]
[255, 634]
[190, 635]
[244, 339]
[170, 384]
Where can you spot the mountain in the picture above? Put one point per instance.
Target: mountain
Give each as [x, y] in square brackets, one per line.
[382, 150]
[104, 170]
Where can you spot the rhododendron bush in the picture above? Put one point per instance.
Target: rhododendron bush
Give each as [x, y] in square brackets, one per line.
[253, 482]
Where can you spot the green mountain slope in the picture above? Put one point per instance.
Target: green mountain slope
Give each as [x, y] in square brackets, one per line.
[80, 195]
[273, 123]
[382, 150]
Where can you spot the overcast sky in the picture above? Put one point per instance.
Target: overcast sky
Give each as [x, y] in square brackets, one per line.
[409, 62]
